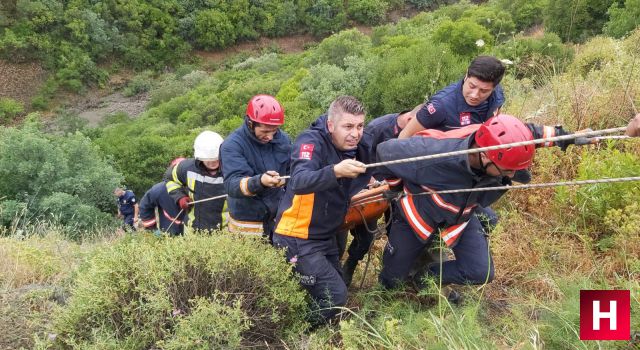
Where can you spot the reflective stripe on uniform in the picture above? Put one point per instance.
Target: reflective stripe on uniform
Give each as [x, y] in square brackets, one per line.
[420, 227]
[175, 221]
[451, 234]
[252, 228]
[203, 178]
[149, 223]
[548, 131]
[244, 187]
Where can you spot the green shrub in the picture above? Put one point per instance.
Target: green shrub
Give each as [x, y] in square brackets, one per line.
[9, 109]
[594, 55]
[622, 20]
[213, 323]
[524, 13]
[61, 175]
[538, 58]
[576, 20]
[498, 22]
[214, 29]
[144, 292]
[592, 202]
[369, 12]
[323, 17]
[142, 82]
[404, 77]
[464, 37]
[336, 48]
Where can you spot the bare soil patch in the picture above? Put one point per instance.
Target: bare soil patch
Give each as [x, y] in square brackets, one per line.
[21, 81]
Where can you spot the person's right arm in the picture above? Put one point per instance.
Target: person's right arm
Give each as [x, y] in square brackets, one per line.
[309, 174]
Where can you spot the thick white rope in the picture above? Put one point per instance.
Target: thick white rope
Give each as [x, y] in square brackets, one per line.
[491, 148]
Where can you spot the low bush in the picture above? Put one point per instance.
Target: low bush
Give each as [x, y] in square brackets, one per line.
[9, 109]
[215, 291]
[591, 203]
[142, 82]
[369, 12]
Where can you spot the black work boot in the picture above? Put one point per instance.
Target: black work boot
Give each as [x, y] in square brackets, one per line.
[348, 269]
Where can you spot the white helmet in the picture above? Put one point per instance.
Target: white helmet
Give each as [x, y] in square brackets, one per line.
[207, 146]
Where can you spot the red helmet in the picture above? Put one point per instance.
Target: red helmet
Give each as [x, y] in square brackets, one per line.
[504, 129]
[265, 109]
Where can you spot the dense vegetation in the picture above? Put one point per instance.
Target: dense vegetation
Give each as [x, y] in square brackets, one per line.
[580, 71]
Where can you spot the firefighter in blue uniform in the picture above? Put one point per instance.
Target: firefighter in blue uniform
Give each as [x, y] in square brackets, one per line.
[326, 171]
[253, 157]
[199, 178]
[168, 210]
[421, 215]
[380, 129]
[472, 100]
[127, 208]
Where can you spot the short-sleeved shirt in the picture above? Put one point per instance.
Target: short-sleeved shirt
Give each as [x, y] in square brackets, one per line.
[448, 110]
[126, 202]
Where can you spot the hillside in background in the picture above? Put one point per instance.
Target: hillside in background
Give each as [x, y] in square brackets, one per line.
[69, 280]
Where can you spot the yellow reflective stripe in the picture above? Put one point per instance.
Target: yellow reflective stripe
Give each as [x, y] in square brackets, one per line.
[174, 174]
[244, 187]
[172, 186]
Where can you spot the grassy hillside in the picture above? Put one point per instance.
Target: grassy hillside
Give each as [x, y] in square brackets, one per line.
[67, 284]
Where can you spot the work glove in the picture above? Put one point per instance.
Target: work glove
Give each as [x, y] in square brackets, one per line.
[578, 141]
[392, 194]
[184, 203]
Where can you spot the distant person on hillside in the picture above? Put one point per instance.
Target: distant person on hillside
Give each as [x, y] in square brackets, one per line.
[127, 208]
[253, 157]
[199, 178]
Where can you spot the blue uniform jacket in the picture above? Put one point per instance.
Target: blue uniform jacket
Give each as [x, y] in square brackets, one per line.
[158, 197]
[126, 202]
[244, 159]
[447, 109]
[316, 202]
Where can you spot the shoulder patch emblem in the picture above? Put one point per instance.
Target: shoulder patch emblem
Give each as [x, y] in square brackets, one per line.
[431, 108]
[306, 151]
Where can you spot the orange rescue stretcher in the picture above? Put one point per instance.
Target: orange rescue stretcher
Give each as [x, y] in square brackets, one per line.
[365, 206]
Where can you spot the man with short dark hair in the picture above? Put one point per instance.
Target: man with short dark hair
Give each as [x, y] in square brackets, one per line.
[472, 100]
[326, 171]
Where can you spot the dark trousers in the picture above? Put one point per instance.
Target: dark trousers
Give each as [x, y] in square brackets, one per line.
[127, 224]
[361, 242]
[317, 262]
[472, 265]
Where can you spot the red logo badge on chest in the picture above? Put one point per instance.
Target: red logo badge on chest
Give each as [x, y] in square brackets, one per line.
[306, 151]
[465, 118]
